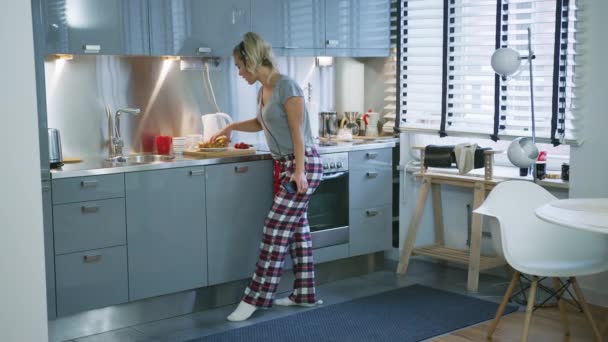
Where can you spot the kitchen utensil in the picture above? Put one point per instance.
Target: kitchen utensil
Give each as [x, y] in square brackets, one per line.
[71, 160]
[229, 152]
[328, 125]
[212, 123]
[55, 154]
[351, 123]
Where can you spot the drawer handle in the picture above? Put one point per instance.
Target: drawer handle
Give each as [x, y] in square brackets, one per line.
[91, 48]
[204, 50]
[89, 208]
[197, 172]
[241, 169]
[88, 184]
[371, 213]
[372, 174]
[291, 47]
[371, 155]
[333, 42]
[92, 258]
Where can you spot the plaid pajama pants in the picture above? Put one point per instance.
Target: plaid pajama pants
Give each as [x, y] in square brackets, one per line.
[286, 230]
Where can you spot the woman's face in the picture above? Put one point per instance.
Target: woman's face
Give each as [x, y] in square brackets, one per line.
[248, 76]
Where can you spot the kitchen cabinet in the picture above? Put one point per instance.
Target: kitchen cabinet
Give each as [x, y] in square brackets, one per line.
[239, 197]
[324, 27]
[49, 253]
[370, 199]
[197, 27]
[357, 28]
[292, 27]
[91, 279]
[166, 231]
[108, 27]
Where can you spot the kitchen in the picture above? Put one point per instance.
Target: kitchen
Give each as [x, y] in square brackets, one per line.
[74, 94]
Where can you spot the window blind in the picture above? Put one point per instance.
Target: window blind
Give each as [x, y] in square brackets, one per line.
[421, 64]
[473, 99]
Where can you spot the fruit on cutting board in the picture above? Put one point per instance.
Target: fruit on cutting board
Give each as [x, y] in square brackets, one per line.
[221, 141]
[241, 145]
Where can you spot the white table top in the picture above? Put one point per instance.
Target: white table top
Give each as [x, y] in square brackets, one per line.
[589, 214]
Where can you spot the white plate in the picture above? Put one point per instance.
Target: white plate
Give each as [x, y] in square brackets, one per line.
[212, 149]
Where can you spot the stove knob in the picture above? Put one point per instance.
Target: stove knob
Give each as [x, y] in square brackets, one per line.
[332, 165]
[339, 165]
[325, 166]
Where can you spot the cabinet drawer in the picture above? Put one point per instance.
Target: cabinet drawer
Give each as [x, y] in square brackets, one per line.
[370, 187]
[379, 158]
[92, 188]
[91, 279]
[370, 230]
[89, 225]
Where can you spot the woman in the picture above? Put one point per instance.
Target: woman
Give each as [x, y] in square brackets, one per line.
[282, 116]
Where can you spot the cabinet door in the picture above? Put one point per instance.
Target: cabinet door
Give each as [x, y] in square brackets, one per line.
[304, 27]
[268, 20]
[166, 231]
[357, 27]
[49, 254]
[370, 230]
[109, 27]
[197, 27]
[239, 197]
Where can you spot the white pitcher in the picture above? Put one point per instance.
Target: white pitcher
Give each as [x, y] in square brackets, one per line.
[212, 123]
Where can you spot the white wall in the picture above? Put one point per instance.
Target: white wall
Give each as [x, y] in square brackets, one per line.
[589, 162]
[22, 288]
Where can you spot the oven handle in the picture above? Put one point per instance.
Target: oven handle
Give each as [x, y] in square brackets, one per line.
[334, 175]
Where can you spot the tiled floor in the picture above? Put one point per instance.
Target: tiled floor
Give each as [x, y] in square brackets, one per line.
[212, 321]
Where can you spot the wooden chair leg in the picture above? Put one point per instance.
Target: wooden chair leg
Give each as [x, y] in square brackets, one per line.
[503, 304]
[479, 195]
[562, 306]
[587, 312]
[410, 240]
[529, 309]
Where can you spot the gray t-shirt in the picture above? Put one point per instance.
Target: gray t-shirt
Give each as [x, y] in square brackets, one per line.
[273, 118]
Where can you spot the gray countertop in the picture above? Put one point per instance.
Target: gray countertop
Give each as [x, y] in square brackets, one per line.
[100, 167]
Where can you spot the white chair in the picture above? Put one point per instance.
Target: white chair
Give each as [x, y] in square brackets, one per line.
[541, 249]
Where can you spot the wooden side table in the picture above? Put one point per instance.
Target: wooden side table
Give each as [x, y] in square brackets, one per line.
[472, 257]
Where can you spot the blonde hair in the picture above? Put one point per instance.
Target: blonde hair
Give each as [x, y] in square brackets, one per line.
[254, 51]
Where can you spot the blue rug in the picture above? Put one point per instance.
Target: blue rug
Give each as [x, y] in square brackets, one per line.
[410, 313]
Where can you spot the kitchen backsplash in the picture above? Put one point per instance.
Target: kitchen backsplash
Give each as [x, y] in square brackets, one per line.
[171, 100]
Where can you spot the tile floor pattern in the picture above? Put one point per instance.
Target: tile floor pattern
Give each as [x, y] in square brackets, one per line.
[209, 322]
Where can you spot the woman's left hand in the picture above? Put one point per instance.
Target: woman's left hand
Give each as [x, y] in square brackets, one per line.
[300, 179]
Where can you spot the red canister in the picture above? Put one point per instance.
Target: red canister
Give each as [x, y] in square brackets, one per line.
[163, 144]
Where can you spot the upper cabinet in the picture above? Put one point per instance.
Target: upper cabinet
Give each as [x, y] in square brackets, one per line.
[357, 27]
[108, 27]
[324, 27]
[197, 27]
[292, 27]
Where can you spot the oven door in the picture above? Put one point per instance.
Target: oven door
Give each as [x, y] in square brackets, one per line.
[328, 211]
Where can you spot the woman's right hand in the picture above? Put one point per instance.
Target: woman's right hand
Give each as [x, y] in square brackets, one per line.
[227, 131]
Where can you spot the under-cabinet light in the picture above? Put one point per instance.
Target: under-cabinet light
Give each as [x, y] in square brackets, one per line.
[64, 57]
[171, 58]
[323, 61]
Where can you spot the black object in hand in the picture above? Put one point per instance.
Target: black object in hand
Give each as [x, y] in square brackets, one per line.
[291, 187]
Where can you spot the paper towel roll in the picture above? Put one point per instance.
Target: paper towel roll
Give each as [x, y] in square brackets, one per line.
[349, 91]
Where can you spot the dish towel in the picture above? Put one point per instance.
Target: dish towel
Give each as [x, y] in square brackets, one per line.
[465, 157]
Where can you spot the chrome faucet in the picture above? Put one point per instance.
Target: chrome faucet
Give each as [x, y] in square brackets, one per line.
[116, 142]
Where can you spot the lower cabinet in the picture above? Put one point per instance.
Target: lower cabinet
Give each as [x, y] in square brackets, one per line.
[370, 229]
[239, 197]
[91, 279]
[166, 231]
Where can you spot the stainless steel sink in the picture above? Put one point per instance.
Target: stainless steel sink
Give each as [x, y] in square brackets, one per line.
[138, 159]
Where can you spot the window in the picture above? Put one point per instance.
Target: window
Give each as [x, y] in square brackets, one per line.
[447, 85]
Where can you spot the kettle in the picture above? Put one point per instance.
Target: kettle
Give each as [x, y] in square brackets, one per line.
[212, 123]
[55, 156]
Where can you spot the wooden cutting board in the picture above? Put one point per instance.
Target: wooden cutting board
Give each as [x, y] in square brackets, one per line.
[230, 152]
